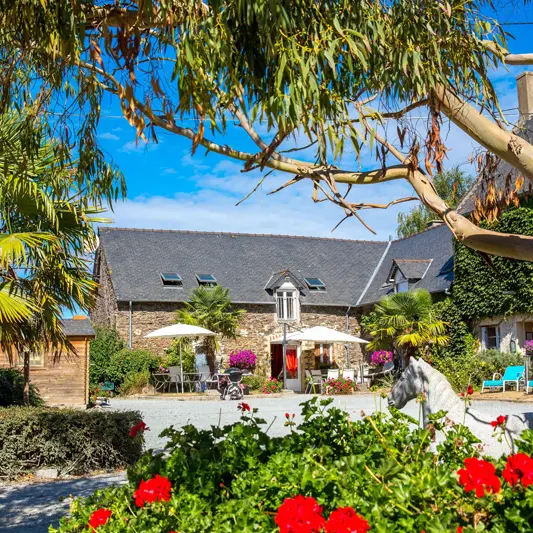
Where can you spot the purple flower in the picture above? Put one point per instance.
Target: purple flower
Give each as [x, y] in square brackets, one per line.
[528, 345]
[380, 357]
[245, 360]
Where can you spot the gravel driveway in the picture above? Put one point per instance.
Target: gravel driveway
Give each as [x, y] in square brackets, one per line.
[30, 508]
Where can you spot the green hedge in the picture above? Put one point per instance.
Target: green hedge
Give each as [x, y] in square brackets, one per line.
[74, 442]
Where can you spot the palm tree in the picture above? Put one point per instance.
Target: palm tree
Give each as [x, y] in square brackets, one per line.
[406, 320]
[48, 208]
[211, 308]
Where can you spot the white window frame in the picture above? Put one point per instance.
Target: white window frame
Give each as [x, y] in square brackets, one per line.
[485, 337]
[36, 359]
[287, 300]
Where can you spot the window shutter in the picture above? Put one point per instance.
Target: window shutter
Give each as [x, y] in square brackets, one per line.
[483, 338]
[497, 337]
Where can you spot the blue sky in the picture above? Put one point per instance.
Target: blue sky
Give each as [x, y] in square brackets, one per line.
[170, 189]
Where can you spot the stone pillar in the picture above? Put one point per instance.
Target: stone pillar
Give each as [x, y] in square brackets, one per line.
[524, 86]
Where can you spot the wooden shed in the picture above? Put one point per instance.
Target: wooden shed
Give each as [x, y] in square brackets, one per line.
[65, 381]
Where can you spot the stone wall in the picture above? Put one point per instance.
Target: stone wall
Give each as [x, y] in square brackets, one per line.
[258, 328]
[104, 312]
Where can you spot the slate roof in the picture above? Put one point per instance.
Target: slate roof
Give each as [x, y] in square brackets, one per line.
[244, 263]
[435, 244]
[412, 268]
[504, 169]
[77, 327]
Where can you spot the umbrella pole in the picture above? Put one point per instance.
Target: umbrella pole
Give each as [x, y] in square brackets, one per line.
[284, 355]
[181, 370]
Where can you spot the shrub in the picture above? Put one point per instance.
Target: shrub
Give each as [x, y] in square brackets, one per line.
[135, 382]
[340, 385]
[128, 362]
[103, 347]
[245, 360]
[380, 357]
[74, 442]
[255, 383]
[236, 478]
[272, 386]
[12, 388]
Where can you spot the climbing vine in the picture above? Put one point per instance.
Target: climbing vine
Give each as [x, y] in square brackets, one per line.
[505, 286]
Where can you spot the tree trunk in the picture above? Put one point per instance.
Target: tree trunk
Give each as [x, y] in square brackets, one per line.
[26, 390]
[210, 353]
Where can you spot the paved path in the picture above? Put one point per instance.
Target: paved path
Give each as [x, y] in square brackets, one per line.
[30, 508]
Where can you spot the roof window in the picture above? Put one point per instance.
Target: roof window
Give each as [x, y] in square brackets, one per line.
[171, 279]
[206, 280]
[315, 284]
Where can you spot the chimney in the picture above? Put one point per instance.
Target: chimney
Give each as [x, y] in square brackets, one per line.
[524, 86]
[79, 317]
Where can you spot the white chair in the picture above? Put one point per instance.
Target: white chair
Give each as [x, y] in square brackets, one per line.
[333, 373]
[348, 373]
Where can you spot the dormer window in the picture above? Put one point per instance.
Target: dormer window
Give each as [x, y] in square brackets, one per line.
[315, 284]
[287, 302]
[400, 283]
[206, 280]
[171, 279]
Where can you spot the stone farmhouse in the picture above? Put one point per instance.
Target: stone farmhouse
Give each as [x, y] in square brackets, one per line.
[146, 275]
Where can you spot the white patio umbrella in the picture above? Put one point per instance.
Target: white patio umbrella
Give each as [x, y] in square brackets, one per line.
[179, 331]
[324, 335]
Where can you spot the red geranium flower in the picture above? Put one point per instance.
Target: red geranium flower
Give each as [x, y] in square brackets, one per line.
[519, 468]
[479, 475]
[346, 520]
[243, 407]
[300, 515]
[459, 529]
[139, 428]
[500, 421]
[155, 489]
[99, 518]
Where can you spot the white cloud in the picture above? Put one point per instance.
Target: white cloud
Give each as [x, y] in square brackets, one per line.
[117, 129]
[139, 146]
[168, 171]
[109, 136]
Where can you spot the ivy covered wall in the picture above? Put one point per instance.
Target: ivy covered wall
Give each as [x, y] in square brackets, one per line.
[480, 291]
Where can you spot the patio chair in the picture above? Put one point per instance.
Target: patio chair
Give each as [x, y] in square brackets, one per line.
[175, 377]
[348, 373]
[512, 374]
[333, 373]
[314, 379]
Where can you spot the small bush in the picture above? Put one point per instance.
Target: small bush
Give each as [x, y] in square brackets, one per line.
[128, 362]
[74, 442]
[255, 383]
[103, 347]
[272, 386]
[188, 354]
[134, 383]
[336, 386]
[12, 388]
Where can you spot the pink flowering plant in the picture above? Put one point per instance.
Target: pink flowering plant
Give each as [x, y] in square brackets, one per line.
[380, 357]
[528, 345]
[340, 385]
[272, 386]
[245, 360]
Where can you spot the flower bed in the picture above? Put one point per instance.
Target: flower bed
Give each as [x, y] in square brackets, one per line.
[340, 385]
[328, 475]
[245, 360]
[73, 441]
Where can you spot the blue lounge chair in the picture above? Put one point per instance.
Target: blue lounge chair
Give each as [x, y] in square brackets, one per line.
[512, 374]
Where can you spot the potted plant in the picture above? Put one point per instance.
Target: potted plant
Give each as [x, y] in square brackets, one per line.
[244, 360]
[380, 358]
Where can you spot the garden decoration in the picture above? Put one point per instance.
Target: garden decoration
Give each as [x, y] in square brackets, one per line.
[421, 380]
